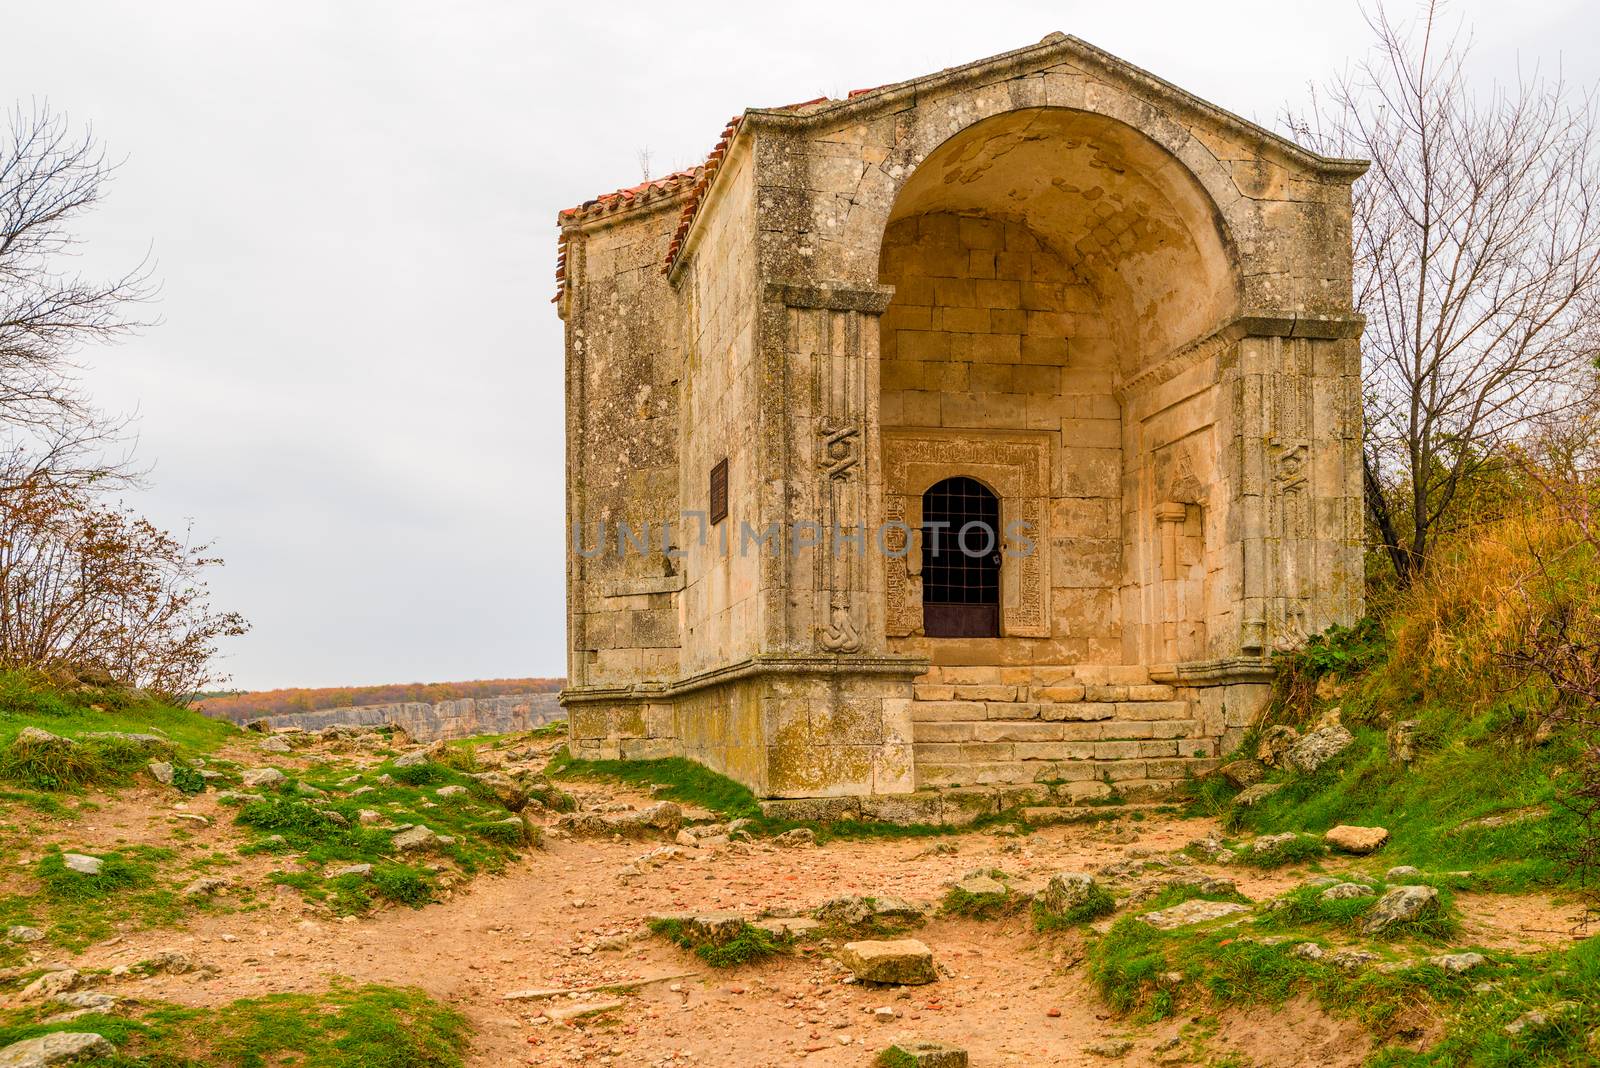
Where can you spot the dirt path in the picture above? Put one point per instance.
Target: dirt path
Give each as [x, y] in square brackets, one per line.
[560, 919]
[1008, 997]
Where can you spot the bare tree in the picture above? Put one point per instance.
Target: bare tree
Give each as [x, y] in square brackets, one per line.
[50, 176]
[1477, 249]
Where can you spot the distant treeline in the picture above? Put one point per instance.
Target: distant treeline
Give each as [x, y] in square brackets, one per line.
[241, 706]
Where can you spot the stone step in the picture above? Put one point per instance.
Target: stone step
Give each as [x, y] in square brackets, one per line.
[1038, 690]
[1035, 674]
[1124, 774]
[1079, 711]
[1046, 816]
[1116, 750]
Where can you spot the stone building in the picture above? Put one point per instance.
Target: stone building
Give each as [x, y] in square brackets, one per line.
[1044, 295]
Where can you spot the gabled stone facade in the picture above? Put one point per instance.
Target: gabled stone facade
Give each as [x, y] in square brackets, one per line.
[1113, 314]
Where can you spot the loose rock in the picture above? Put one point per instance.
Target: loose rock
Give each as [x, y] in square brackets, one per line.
[926, 1054]
[62, 1047]
[1357, 840]
[1457, 963]
[161, 771]
[1191, 912]
[1317, 748]
[1111, 1048]
[1401, 904]
[903, 961]
[1345, 892]
[259, 777]
[416, 838]
[20, 933]
[83, 865]
[1242, 773]
[1255, 794]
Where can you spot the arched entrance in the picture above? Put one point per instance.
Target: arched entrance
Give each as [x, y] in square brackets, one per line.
[961, 560]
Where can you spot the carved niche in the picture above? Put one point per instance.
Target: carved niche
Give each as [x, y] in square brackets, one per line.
[1015, 465]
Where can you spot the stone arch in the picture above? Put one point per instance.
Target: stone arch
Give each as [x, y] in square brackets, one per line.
[1140, 212]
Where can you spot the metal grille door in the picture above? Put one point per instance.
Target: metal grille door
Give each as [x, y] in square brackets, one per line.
[960, 560]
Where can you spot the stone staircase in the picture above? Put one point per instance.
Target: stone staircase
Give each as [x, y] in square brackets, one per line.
[1092, 730]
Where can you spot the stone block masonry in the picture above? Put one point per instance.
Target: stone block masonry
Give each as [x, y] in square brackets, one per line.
[1047, 288]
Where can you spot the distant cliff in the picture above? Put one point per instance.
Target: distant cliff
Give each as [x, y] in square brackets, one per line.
[425, 722]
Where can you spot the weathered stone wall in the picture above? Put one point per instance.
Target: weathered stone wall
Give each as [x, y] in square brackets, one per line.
[624, 354]
[1165, 384]
[461, 718]
[990, 330]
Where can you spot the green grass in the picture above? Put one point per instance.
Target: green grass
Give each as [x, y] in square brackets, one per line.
[680, 780]
[687, 782]
[26, 701]
[1096, 903]
[1297, 850]
[328, 831]
[1306, 907]
[76, 910]
[894, 1057]
[345, 1027]
[748, 943]
[1178, 893]
[989, 906]
[1152, 975]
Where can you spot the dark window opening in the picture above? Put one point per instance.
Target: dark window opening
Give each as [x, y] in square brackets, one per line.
[960, 560]
[718, 510]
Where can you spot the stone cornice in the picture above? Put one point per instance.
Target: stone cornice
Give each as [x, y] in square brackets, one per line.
[1282, 324]
[907, 667]
[835, 296]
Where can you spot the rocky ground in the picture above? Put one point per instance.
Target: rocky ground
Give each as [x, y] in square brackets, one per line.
[553, 960]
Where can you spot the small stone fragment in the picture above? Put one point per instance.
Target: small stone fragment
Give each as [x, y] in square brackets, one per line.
[205, 886]
[261, 777]
[1111, 1048]
[925, 1054]
[21, 933]
[276, 744]
[1253, 795]
[161, 771]
[50, 984]
[1308, 951]
[1242, 773]
[799, 836]
[451, 791]
[1345, 892]
[1457, 963]
[83, 865]
[1401, 872]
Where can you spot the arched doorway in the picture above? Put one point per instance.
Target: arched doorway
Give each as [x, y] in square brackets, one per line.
[960, 560]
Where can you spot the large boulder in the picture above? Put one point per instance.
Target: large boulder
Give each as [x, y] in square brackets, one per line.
[1358, 840]
[1401, 904]
[1313, 750]
[903, 962]
[62, 1047]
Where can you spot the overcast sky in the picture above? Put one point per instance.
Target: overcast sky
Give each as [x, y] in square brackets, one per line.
[356, 386]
